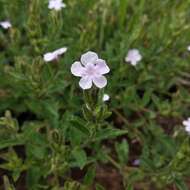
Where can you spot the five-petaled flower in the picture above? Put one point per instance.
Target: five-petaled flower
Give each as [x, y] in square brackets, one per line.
[50, 56]
[56, 5]
[91, 70]
[186, 123]
[105, 98]
[5, 24]
[133, 56]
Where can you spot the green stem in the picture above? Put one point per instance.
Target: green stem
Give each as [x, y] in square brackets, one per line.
[122, 12]
[102, 28]
[113, 162]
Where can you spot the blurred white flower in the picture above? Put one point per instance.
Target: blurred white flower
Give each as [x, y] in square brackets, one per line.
[188, 48]
[56, 4]
[91, 70]
[186, 123]
[106, 97]
[50, 56]
[136, 162]
[5, 24]
[133, 56]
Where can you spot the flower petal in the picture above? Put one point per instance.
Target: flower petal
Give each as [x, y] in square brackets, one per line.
[101, 66]
[134, 62]
[60, 51]
[49, 57]
[138, 57]
[126, 59]
[5, 24]
[133, 56]
[56, 4]
[89, 57]
[77, 69]
[134, 51]
[85, 83]
[187, 129]
[100, 81]
[63, 5]
[106, 97]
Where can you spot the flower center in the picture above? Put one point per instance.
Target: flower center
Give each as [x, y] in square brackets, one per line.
[90, 71]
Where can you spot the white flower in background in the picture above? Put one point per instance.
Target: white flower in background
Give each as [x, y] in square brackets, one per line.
[133, 56]
[91, 70]
[106, 97]
[136, 162]
[186, 123]
[50, 56]
[188, 48]
[56, 5]
[5, 24]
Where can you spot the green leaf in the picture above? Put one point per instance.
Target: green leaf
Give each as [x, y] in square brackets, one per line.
[33, 177]
[99, 187]
[80, 157]
[134, 176]
[80, 125]
[90, 175]
[36, 151]
[76, 136]
[13, 163]
[122, 12]
[129, 187]
[146, 98]
[122, 150]
[30, 128]
[180, 184]
[13, 141]
[109, 133]
[51, 110]
[7, 184]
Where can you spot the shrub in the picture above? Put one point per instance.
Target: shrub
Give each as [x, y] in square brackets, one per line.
[126, 112]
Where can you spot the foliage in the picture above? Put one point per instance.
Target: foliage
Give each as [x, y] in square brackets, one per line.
[49, 127]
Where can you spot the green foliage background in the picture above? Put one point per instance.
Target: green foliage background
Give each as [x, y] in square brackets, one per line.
[148, 101]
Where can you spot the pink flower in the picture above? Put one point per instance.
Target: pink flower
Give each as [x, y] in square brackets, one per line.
[91, 70]
[186, 123]
[133, 57]
[50, 56]
[5, 24]
[56, 5]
